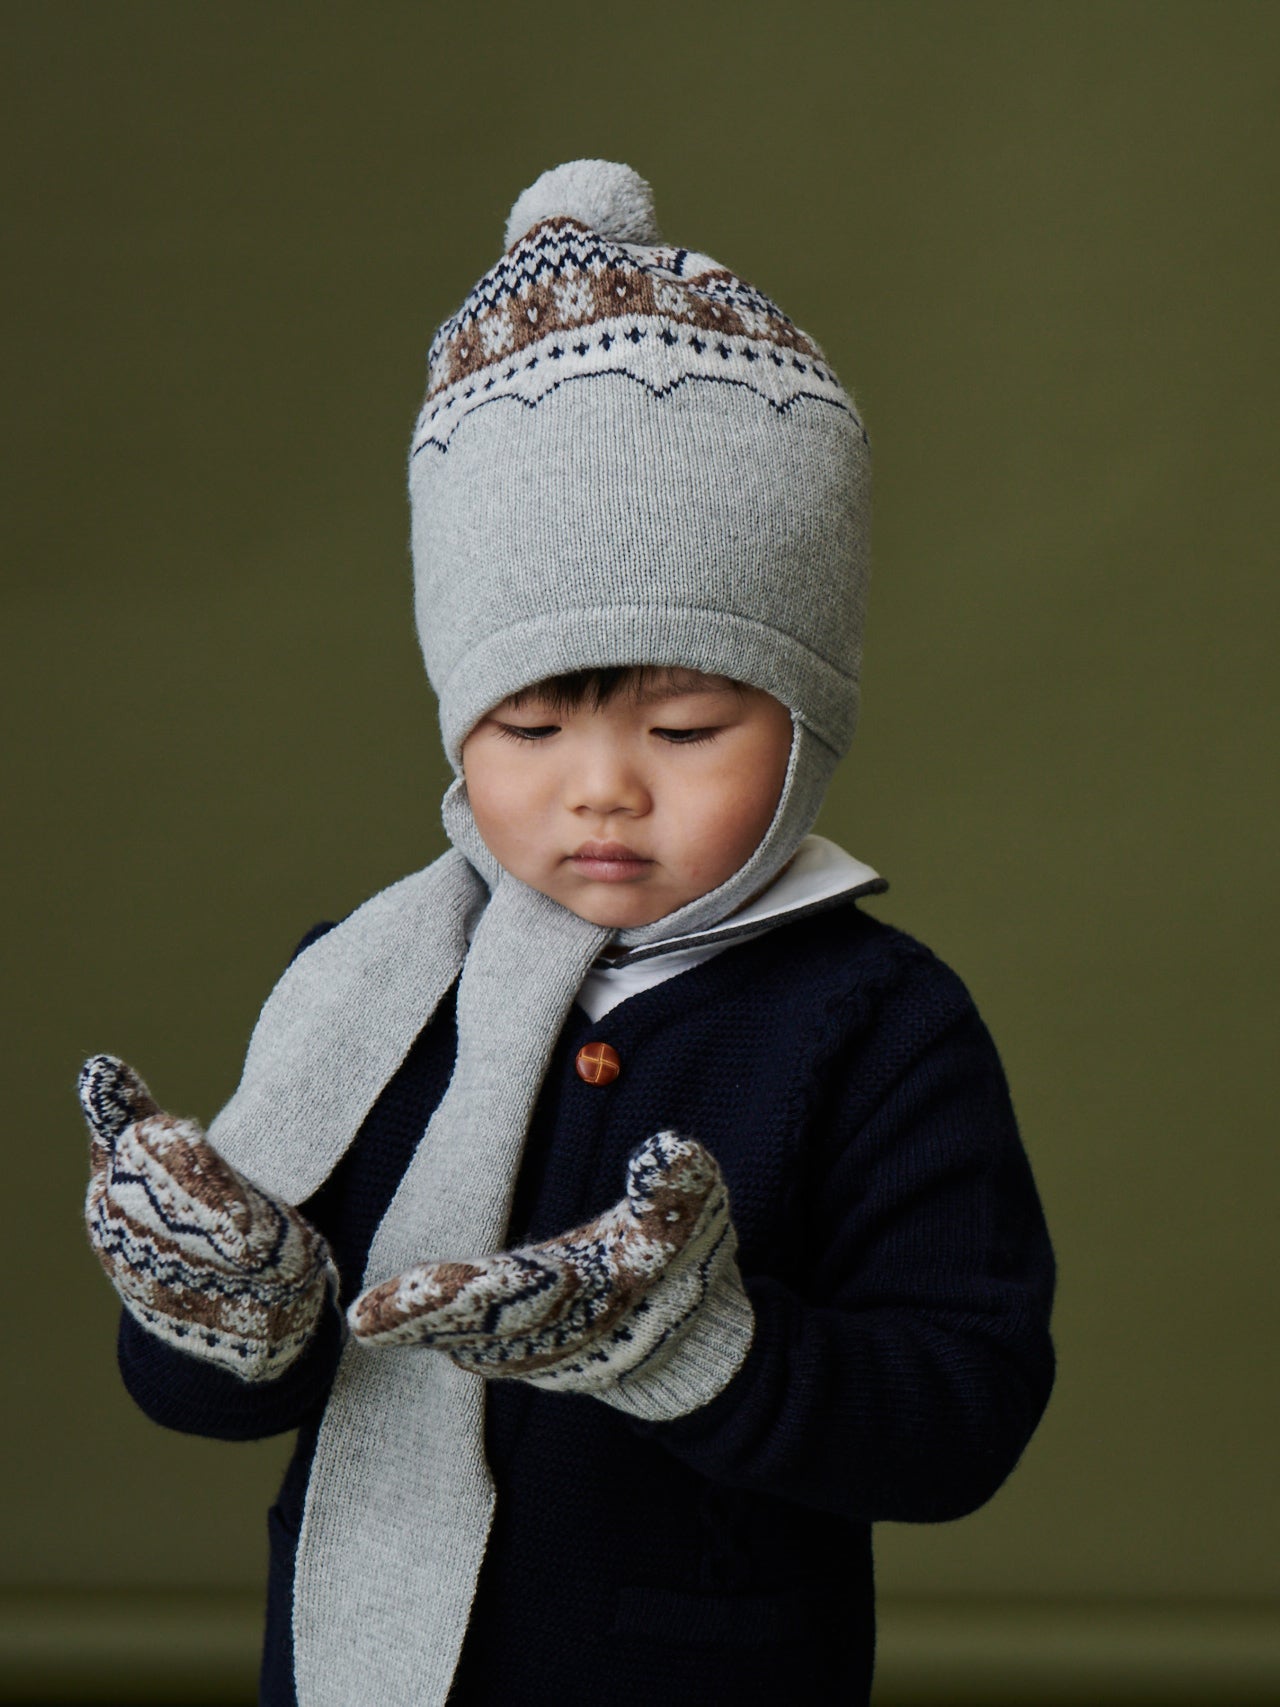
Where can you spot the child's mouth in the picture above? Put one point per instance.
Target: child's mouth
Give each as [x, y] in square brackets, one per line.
[608, 862]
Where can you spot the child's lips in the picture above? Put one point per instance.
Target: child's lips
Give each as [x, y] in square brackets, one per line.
[608, 862]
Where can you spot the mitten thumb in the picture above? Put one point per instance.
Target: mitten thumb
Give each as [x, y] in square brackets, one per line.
[670, 1180]
[112, 1097]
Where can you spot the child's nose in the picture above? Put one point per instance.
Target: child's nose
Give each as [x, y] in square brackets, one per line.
[606, 781]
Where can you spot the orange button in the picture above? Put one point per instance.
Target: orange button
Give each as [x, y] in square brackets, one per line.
[598, 1063]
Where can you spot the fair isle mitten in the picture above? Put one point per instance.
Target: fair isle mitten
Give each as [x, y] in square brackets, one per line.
[643, 1307]
[200, 1257]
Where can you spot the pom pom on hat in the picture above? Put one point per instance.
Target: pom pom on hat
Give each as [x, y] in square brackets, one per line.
[610, 198]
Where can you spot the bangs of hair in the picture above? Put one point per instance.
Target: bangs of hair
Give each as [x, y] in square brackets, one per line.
[595, 688]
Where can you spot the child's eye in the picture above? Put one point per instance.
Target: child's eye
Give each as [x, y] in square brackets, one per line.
[521, 732]
[686, 737]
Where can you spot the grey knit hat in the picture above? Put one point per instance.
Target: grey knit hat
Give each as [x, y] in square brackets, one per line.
[628, 455]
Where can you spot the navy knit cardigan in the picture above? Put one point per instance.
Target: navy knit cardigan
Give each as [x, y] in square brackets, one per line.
[893, 1246]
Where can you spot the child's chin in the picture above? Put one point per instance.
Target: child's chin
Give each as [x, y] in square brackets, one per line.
[619, 911]
[619, 918]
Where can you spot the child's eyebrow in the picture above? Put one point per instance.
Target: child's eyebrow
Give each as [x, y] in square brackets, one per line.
[679, 690]
[651, 694]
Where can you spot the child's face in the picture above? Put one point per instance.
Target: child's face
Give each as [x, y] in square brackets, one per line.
[623, 812]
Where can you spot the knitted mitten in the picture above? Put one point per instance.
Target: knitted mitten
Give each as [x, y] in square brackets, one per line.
[199, 1256]
[643, 1307]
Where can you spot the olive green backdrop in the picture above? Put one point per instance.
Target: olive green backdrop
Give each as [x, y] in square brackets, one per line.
[1040, 244]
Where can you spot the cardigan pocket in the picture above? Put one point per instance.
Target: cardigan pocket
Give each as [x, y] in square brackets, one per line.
[761, 1619]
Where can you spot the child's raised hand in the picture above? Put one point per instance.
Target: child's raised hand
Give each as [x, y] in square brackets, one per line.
[642, 1307]
[199, 1256]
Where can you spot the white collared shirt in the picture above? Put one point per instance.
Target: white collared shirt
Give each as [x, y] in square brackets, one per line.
[819, 873]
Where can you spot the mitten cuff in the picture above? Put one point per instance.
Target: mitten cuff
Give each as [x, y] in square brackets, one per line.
[261, 1327]
[699, 1365]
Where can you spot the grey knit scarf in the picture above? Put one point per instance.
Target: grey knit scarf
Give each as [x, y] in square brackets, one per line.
[400, 1499]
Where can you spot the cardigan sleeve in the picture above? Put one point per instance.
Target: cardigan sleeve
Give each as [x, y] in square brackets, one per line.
[184, 1393]
[903, 1377]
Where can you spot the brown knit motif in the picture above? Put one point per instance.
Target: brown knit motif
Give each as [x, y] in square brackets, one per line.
[199, 1255]
[562, 279]
[570, 1305]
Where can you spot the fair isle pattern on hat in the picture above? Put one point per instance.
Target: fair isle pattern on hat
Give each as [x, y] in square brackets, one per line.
[567, 303]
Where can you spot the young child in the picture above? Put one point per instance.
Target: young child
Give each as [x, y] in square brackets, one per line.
[674, 1209]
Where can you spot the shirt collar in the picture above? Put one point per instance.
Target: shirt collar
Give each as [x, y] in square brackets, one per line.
[819, 874]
